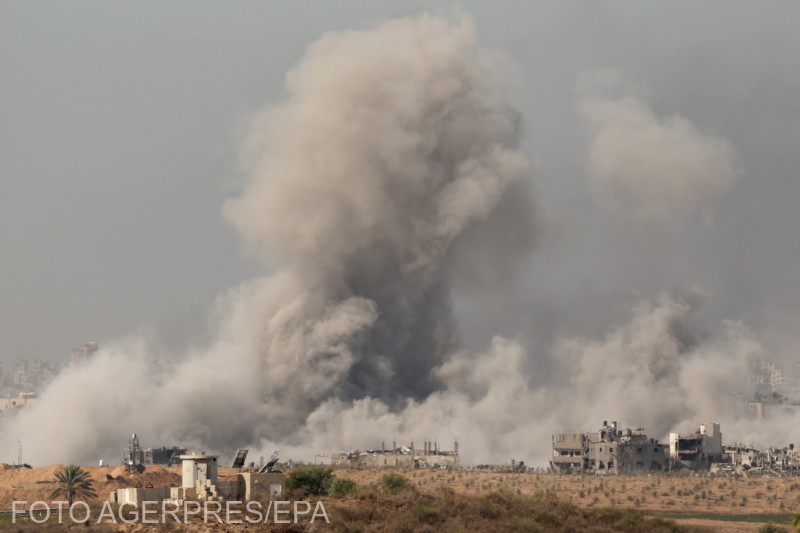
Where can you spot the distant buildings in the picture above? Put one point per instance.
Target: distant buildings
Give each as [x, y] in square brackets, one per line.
[430, 456]
[134, 455]
[741, 459]
[82, 353]
[20, 388]
[775, 380]
[31, 376]
[769, 405]
[608, 451]
[612, 450]
[28, 376]
[9, 405]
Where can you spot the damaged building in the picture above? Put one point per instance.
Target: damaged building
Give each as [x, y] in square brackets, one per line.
[612, 450]
[746, 460]
[134, 455]
[698, 450]
[430, 456]
[608, 451]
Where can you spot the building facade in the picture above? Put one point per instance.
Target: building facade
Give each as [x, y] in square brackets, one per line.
[610, 450]
[698, 450]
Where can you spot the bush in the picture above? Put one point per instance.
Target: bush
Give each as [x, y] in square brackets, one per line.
[771, 528]
[392, 483]
[343, 487]
[313, 480]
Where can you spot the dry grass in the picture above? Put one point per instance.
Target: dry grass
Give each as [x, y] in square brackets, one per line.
[475, 501]
[410, 511]
[648, 493]
[415, 512]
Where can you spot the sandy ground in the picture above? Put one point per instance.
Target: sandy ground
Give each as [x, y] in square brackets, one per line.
[674, 495]
[30, 484]
[653, 493]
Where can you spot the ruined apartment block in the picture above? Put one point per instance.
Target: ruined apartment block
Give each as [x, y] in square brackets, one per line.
[608, 451]
[612, 450]
[696, 451]
[430, 456]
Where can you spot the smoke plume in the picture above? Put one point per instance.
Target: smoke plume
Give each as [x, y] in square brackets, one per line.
[653, 170]
[658, 371]
[367, 191]
[390, 177]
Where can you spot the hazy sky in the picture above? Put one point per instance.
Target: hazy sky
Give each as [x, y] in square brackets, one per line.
[120, 127]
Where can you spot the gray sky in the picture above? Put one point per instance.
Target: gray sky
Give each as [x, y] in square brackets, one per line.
[120, 125]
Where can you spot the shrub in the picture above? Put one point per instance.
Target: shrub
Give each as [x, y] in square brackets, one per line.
[426, 513]
[771, 528]
[314, 480]
[392, 483]
[343, 487]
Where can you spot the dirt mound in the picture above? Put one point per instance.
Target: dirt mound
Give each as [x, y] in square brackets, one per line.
[35, 484]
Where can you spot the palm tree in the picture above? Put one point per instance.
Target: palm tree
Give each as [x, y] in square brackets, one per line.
[73, 482]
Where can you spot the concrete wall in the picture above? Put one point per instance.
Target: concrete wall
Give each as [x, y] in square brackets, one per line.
[604, 457]
[138, 495]
[252, 485]
[712, 443]
[229, 489]
[568, 451]
[569, 441]
[181, 493]
[645, 456]
[17, 402]
[198, 469]
[245, 487]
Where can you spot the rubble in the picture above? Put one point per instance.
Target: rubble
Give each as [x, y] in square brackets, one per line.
[430, 456]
